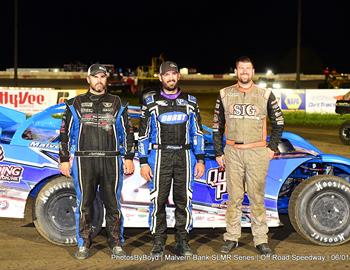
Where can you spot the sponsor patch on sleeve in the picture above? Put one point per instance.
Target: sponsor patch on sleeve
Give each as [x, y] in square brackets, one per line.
[149, 100]
[192, 99]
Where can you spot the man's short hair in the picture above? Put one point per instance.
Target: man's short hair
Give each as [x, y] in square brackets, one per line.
[244, 59]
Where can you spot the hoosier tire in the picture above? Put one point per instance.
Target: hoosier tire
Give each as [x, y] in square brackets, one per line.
[319, 210]
[53, 212]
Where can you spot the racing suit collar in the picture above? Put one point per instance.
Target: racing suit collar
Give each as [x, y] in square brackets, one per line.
[94, 97]
[244, 90]
[170, 96]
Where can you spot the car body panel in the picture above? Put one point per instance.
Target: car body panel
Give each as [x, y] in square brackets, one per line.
[29, 147]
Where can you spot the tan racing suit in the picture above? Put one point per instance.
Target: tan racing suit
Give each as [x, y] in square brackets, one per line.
[241, 116]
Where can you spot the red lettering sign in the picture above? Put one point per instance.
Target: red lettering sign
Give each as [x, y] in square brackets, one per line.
[21, 98]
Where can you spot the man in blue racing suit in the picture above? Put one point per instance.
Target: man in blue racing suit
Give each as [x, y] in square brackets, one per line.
[171, 152]
[97, 125]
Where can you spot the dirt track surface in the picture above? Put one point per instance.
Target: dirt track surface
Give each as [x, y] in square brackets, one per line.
[23, 248]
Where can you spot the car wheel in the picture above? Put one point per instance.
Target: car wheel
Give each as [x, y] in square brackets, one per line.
[319, 210]
[53, 212]
[344, 133]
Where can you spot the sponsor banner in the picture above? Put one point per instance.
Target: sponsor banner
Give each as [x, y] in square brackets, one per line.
[32, 100]
[310, 100]
[278, 94]
[292, 99]
[322, 100]
[80, 91]
[62, 95]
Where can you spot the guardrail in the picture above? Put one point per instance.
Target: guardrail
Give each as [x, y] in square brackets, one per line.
[39, 74]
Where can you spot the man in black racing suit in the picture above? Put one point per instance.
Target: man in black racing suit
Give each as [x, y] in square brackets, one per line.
[94, 127]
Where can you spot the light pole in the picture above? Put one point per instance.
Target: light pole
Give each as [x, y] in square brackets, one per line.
[297, 79]
[15, 45]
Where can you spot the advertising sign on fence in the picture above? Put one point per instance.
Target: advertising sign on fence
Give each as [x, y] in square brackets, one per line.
[32, 100]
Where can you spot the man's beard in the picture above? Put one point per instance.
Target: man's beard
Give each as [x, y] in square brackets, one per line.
[94, 88]
[168, 88]
[245, 81]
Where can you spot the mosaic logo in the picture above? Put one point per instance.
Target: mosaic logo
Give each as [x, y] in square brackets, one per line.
[217, 179]
[9, 173]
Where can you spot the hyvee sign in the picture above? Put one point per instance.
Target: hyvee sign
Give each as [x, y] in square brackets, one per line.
[32, 100]
[21, 98]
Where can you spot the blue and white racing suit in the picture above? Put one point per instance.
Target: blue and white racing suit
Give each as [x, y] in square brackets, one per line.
[170, 141]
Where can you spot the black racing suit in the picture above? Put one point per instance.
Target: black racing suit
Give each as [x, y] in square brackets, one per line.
[170, 141]
[96, 128]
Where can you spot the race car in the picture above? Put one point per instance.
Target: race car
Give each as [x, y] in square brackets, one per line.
[311, 186]
[342, 106]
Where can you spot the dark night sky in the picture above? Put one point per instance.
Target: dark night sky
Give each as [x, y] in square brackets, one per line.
[208, 36]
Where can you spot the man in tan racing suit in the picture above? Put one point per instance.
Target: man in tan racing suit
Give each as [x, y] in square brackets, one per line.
[240, 113]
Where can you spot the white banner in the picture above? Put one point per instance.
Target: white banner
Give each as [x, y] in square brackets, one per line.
[309, 100]
[32, 100]
[322, 100]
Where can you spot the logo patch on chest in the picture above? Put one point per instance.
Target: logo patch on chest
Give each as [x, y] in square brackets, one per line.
[86, 110]
[162, 102]
[86, 104]
[243, 110]
[107, 104]
[107, 109]
[181, 102]
[172, 118]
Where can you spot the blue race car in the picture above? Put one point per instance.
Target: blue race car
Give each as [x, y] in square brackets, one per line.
[312, 187]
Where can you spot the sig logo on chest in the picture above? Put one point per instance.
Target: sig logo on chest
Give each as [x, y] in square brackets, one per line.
[243, 110]
[172, 118]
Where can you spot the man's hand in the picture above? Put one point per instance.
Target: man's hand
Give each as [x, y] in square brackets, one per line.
[129, 166]
[199, 170]
[221, 161]
[270, 152]
[65, 168]
[146, 172]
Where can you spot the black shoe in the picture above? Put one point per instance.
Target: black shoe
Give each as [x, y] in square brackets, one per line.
[117, 251]
[228, 246]
[82, 253]
[264, 249]
[182, 248]
[157, 249]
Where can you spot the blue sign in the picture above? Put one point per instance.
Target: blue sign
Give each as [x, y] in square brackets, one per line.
[293, 100]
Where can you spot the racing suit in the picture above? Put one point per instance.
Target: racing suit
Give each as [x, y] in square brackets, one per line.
[242, 117]
[170, 141]
[96, 129]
